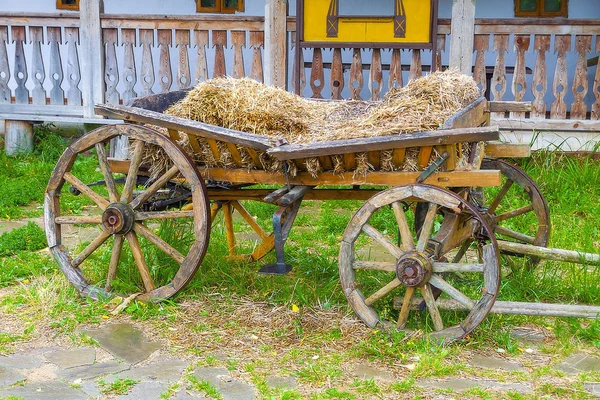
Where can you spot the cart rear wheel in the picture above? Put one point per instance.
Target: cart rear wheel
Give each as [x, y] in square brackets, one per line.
[410, 264]
[164, 248]
[518, 211]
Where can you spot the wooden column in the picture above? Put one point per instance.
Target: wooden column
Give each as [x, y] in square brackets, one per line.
[462, 35]
[275, 43]
[92, 55]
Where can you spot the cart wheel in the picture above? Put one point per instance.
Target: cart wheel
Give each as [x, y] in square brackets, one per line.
[165, 248]
[408, 264]
[520, 217]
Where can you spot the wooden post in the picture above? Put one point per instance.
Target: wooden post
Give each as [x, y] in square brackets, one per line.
[276, 43]
[18, 137]
[92, 55]
[462, 36]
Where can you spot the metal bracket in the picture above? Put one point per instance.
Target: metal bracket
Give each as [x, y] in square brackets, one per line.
[434, 165]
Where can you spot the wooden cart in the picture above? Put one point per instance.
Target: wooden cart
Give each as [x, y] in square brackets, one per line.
[443, 251]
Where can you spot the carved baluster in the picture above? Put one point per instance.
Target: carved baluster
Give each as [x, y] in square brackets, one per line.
[57, 95]
[201, 41]
[238, 40]
[36, 38]
[519, 85]
[395, 79]
[4, 66]
[562, 44]
[73, 70]
[111, 68]
[441, 47]
[165, 73]
[540, 80]
[257, 41]
[182, 41]
[596, 105]
[356, 75]
[128, 73]
[481, 45]
[376, 76]
[317, 75]
[147, 40]
[219, 39]
[337, 75]
[499, 76]
[583, 44]
[416, 70]
[21, 92]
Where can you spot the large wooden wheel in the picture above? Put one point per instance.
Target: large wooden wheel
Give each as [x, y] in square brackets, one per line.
[165, 248]
[410, 263]
[518, 211]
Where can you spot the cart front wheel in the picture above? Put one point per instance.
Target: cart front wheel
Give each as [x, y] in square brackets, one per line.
[434, 269]
[104, 207]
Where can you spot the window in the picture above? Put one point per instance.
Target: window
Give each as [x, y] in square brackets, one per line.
[67, 5]
[540, 8]
[219, 6]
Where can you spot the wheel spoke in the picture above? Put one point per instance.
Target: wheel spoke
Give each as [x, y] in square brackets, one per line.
[457, 267]
[134, 167]
[438, 325]
[375, 266]
[427, 227]
[382, 292]
[160, 182]
[450, 290]
[158, 242]
[462, 251]
[114, 261]
[113, 194]
[382, 240]
[505, 188]
[78, 219]
[514, 213]
[100, 239]
[143, 216]
[403, 316]
[515, 235]
[405, 234]
[138, 256]
[85, 189]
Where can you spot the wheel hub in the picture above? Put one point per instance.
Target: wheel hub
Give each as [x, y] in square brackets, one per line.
[118, 218]
[413, 269]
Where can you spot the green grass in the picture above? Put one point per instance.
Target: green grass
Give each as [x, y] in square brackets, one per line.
[120, 386]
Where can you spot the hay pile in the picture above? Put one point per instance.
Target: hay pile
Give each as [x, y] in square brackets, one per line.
[248, 106]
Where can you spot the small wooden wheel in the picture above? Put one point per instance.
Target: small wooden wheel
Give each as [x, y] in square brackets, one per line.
[518, 212]
[162, 256]
[381, 253]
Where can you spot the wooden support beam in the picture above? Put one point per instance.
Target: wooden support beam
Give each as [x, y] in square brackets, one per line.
[92, 55]
[18, 137]
[462, 37]
[550, 254]
[275, 43]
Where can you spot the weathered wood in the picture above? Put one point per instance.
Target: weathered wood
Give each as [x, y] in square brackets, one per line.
[499, 77]
[481, 45]
[583, 45]
[238, 40]
[395, 77]
[441, 47]
[201, 41]
[165, 72]
[158, 242]
[431, 138]
[219, 42]
[556, 125]
[230, 233]
[140, 261]
[461, 40]
[451, 291]
[382, 240]
[336, 81]
[134, 166]
[91, 55]
[471, 116]
[384, 291]
[562, 44]
[405, 308]
[147, 41]
[146, 215]
[57, 95]
[5, 95]
[356, 75]
[184, 125]
[20, 66]
[434, 313]
[595, 114]
[519, 84]
[128, 71]
[416, 69]
[317, 76]
[549, 254]
[74, 96]
[376, 75]
[424, 156]
[154, 187]
[79, 219]
[509, 106]
[427, 227]
[18, 137]
[275, 43]
[540, 78]
[36, 38]
[250, 220]
[315, 194]
[184, 76]
[114, 261]
[111, 69]
[257, 41]
[109, 180]
[406, 239]
[90, 248]
[513, 150]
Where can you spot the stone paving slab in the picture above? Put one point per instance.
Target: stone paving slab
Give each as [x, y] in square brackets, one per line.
[593, 388]
[480, 361]
[91, 388]
[366, 371]
[145, 391]
[282, 382]
[21, 361]
[72, 357]
[45, 391]
[579, 362]
[92, 371]
[124, 341]
[230, 389]
[9, 377]
[169, 370]
[460, 384]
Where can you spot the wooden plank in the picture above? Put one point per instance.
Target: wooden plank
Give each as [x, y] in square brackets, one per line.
[444, 179]
[238, 39]
[519, 84]
[111, 69]
[257, 41]
[424, 156]
[57, 94]
[461, 40]
[481, 45]
[184, 125]
[162, 21]
[38, 72]
[275, 43]
[388, 142]
[499, 76]
[562, 44]
[165, 73]
[471, 116]
[441, 47]
[74, 96]
[32, 109]
[549, 125]
[416, 69]
[317, 75]
[315, 194]
[550, 254]
[91, 53]
[583, 45]
[540, 77]
[5, 95]
[40, 118]
[184, 76]
[147, 41]
[356, 75]
[513, 150]
[128, 71]
[20, 65]
[509, 106]
[376, 76]
[219, 42]
[337, 75]
[201, 41]
[595, 114]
